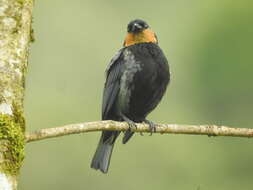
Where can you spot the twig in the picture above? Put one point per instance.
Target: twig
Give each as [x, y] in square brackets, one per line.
[210, 130]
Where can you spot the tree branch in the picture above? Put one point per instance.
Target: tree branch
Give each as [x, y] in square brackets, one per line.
[210, 130]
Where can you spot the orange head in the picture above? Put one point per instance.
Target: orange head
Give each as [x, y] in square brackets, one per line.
[138, 31]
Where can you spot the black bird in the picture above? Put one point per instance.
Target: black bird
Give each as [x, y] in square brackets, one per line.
[136, 80]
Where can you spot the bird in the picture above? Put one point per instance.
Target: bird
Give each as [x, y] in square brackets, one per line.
[136, 80]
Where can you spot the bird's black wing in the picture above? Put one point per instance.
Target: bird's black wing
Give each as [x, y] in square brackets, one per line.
[101, 159]
[112, 85]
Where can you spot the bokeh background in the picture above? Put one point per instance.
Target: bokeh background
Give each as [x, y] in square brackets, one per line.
[209, 47]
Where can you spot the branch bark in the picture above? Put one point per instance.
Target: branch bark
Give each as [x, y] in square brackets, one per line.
[210, 130]
[15, 38]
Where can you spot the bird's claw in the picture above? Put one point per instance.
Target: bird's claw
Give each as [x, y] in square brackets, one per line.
[130, 123]
[152, 126]
[132, 126]
[129, 133]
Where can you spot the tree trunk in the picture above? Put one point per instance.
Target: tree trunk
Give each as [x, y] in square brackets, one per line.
[15, 37]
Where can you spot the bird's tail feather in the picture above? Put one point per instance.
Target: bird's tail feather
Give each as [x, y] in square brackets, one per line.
[102, 157]
[127, 136]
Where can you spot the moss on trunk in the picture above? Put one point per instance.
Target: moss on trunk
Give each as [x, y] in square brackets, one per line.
[11, 144]
[15, 38]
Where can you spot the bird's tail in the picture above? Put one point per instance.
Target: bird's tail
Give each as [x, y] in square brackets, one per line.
[102, 157]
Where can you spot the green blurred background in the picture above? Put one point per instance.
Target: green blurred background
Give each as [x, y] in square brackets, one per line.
[209, 47]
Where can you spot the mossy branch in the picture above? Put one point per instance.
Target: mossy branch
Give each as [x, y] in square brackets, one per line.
[210, 130]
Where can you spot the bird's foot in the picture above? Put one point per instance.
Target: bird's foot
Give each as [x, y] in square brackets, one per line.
[132, 125]
[152, 126]
[129, 133]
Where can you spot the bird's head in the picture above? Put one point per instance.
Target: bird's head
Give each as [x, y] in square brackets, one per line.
[137, 26]
[138, 31]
